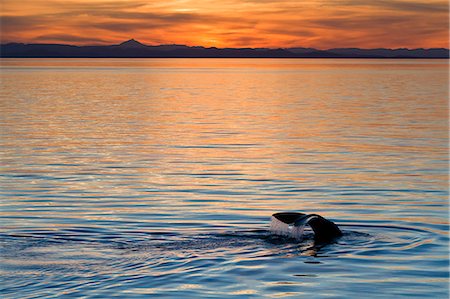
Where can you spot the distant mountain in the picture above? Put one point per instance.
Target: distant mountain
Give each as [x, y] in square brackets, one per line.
[132, 43]
[395, 53]
[134, 49]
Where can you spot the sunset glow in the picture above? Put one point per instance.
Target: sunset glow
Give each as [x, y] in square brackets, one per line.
[229, 23]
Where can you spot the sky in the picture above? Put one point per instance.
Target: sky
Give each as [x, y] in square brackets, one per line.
[321, 24]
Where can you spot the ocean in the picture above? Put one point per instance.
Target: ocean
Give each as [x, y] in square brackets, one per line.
[137, 178]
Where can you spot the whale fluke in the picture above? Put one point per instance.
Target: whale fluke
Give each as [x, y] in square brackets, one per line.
[292, 224]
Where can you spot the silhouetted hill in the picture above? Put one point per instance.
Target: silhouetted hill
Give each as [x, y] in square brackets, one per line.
[133, 48]
[395, 53]
[132, 43]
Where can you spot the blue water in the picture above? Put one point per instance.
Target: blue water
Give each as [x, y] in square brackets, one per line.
[132, 178]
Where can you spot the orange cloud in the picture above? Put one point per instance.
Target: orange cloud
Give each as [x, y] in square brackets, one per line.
[230, 23]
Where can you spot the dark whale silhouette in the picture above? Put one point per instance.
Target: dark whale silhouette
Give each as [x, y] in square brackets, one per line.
[292, 224]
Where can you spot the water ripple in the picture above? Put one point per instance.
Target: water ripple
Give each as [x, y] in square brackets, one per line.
[158, 177]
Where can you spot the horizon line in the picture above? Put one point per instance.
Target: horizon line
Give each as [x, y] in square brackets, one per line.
[215, 47]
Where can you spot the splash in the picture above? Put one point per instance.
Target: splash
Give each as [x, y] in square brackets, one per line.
[280, 228]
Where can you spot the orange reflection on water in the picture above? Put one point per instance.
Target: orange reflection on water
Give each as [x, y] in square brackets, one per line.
[226, 136]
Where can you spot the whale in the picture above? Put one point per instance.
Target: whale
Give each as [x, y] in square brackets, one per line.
[292, 225]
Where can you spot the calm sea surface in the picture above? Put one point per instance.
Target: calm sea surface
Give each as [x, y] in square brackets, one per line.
[130, 178]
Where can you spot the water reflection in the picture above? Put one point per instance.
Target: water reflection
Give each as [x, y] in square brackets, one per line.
[100, 154]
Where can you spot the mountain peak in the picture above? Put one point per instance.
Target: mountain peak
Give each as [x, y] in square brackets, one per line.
[132, 43]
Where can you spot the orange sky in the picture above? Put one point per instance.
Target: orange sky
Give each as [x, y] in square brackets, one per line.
[230, 23]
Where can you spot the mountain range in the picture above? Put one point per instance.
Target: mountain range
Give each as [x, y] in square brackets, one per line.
[135, 49]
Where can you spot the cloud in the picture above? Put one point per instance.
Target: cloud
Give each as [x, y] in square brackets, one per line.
[228, 23]
[401, 6]
[68, 38]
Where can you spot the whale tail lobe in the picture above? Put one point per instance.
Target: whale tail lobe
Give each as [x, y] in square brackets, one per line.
[292, 224]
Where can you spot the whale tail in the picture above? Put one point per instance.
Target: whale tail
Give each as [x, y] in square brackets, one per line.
[293, 224]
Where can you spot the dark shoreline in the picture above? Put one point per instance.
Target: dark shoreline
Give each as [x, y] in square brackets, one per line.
[135, 49]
